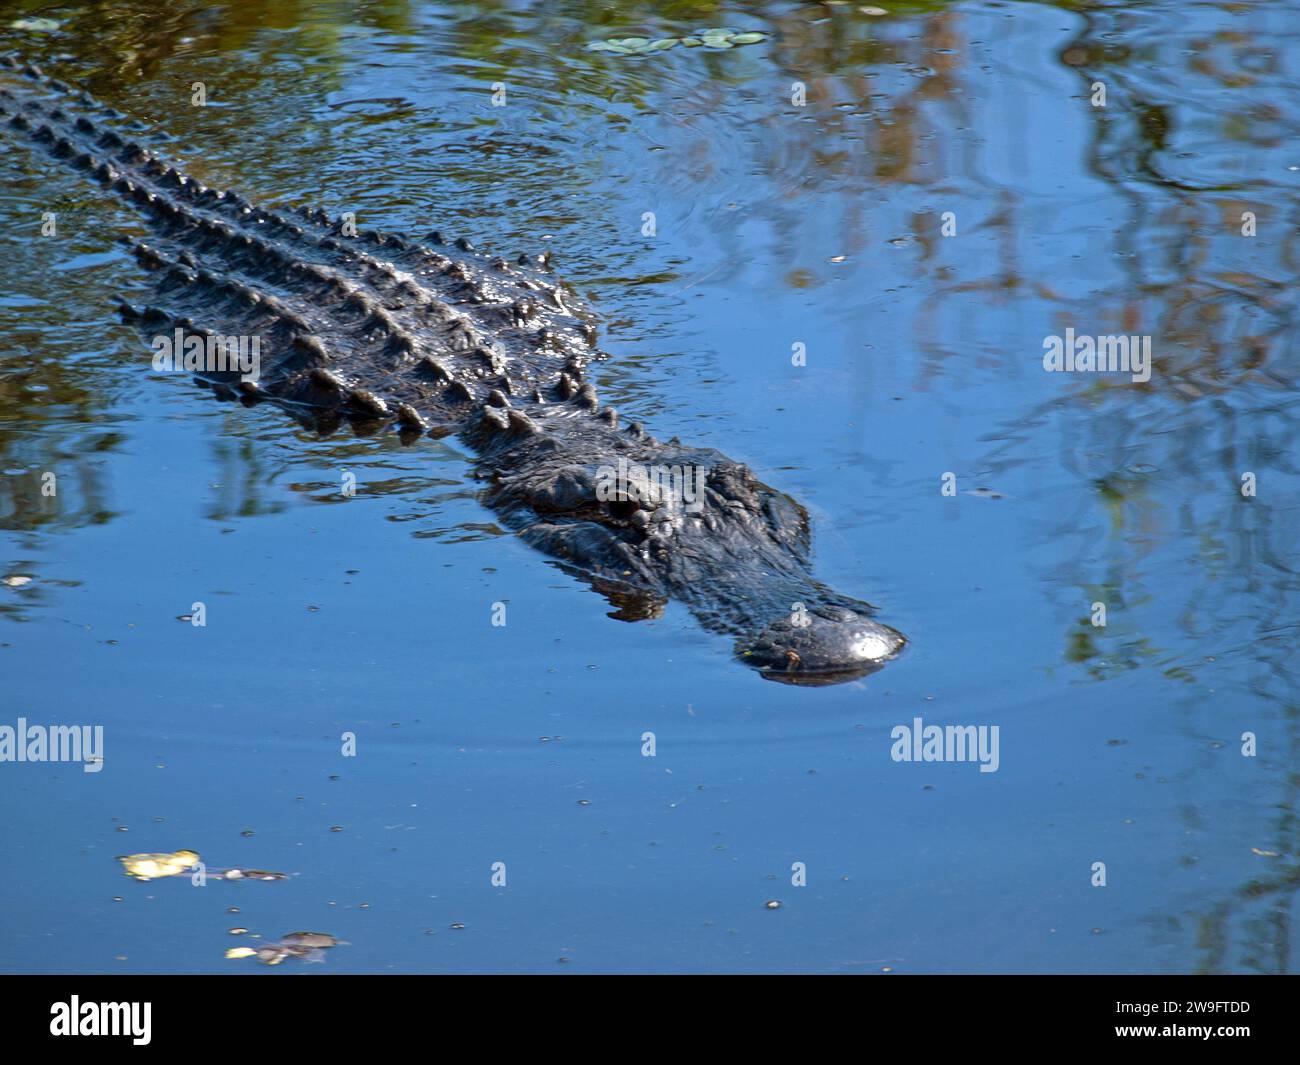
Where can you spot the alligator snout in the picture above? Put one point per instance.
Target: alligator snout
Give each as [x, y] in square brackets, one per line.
[821, 645]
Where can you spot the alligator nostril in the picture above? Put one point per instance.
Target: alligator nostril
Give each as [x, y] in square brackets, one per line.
[623, 509]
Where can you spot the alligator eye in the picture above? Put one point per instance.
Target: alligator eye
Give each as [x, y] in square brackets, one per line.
[623, 509]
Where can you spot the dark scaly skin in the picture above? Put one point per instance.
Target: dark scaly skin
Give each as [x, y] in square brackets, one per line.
[376, 330]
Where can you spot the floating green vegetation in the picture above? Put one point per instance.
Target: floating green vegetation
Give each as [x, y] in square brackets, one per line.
[715, 38]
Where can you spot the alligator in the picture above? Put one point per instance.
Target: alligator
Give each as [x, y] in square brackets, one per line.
[377, 331]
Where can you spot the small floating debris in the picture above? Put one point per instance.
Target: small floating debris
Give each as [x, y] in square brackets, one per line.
[177, 863]
[34, 25]
[247, 874]
[15, 580]
[306, 946]
[719, 38]
[310, 939]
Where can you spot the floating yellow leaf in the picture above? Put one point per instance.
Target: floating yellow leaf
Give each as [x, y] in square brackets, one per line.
[240, 952]
[154, 866]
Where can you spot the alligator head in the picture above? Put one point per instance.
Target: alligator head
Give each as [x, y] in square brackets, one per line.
[644, 522]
